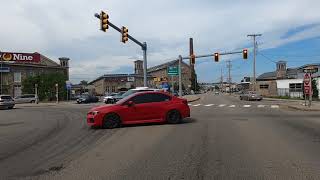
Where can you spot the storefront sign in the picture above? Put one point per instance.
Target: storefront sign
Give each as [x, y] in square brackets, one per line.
[19, 57]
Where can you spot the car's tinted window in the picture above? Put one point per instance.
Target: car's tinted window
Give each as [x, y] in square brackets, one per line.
[140, 99]
[5, 97]
[148, 98]
[159, 97]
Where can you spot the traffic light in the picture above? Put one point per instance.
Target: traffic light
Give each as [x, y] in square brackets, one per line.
[104, 21]
[216, 57]
[192, 59]
[245, 54]
[124, 34]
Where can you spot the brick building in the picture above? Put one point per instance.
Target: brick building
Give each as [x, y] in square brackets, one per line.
[15, 67]
[116, 82]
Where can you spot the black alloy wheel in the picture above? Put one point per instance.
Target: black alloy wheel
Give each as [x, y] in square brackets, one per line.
[111, 121]
[174, 117]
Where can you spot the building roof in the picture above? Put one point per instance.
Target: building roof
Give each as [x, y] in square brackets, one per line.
[267, 76]
[118, 75]
[290, 73]
[164, 66]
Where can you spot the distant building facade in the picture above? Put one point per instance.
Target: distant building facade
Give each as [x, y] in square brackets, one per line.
[284, 81]
[15, 67]
[157, 77]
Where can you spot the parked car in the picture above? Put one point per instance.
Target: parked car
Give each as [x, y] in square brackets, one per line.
[132, 91]
[251, 95]
[26, 98]
[142, 107]
[111, 98]
[87, 99]
[6, 101]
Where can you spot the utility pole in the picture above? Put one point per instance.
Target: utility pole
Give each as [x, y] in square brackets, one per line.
[57, 93]
[193, 77]
[229, 78]
[254, 58]
[1, 72]
[221, 80]
[180, 78]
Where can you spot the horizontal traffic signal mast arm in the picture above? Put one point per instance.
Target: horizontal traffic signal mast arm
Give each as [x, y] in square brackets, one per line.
[210, 55]
[119, 30]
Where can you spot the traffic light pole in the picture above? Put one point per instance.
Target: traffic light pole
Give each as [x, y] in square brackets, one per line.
[142, 45]
[180, 58]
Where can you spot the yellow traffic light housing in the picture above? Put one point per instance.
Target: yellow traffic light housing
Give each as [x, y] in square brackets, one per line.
[124, 34]
[104, 21]
[245, 54]
[193, 59]
[216, 57]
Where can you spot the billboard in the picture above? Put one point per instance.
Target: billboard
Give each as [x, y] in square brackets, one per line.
[13, 57]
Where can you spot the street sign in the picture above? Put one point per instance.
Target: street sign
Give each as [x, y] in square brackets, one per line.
[307, 83]
[173, 70]
[310, 70]
[68, 85]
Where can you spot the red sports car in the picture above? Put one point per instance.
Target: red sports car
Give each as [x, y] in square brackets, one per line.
[144, 107]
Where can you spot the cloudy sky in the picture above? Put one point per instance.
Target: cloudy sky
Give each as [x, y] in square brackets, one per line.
[55, 28]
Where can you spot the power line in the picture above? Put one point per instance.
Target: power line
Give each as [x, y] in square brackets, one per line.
[267, 57]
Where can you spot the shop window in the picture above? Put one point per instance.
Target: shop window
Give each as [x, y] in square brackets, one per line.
[17, 77]
[264, 86]
[295, 87]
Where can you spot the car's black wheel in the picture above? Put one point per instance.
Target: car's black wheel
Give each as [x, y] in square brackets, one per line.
[174, 117]
[10, 107]
[32, 101]
[111, 121]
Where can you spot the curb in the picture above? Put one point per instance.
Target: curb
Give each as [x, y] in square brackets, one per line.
[300, 109]
[194, 100]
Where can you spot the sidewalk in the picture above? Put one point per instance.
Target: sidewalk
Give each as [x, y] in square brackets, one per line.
[296, 104]
[191, 98]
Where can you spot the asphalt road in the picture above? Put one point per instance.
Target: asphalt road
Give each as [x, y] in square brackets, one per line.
[225, 139]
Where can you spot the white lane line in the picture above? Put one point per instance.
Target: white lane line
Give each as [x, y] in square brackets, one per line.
[247, 105]
[190, 104]
[261, 106]
[208, 105]
[197, 105]
[222, 105]
[274, 106]
[232, 106]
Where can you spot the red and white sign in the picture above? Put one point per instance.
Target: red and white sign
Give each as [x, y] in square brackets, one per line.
[307, 83]
[20, 57]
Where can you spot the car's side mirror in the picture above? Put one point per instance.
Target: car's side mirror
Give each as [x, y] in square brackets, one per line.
[130, 103]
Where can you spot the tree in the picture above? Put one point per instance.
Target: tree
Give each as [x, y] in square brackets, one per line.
[84, 82]
[46, 85]
[315, 89]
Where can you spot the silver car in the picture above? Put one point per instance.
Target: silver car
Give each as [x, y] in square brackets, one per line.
[6, 101]
[251, 96]
[26, 98]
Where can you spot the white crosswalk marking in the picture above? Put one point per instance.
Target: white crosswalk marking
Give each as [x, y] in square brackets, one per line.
[197, 105]
[274, 106]
[247, 105]
[190, 104]
[208, 105]
[222, 105]
[232, 106]
[261, 106]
